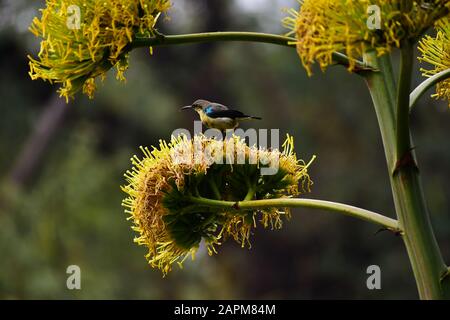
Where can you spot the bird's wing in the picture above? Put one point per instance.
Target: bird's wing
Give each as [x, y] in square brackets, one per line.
[218, 106]
[233, 114]
[213, 107]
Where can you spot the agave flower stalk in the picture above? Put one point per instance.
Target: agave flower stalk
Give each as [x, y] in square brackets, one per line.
[325, 26]
[174, 206]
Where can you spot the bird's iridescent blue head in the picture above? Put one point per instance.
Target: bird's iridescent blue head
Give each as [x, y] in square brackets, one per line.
[197, 105]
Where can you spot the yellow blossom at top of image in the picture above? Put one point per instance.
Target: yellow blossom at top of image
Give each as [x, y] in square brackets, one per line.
[436, 51]
[322, 27]
[171, 226]
[83, 39]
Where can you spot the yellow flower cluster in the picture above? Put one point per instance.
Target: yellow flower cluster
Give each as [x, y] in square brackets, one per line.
[322, 27]
[83, 39]
[161, 184]
[436, 51]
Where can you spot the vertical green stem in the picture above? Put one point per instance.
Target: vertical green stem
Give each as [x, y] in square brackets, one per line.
[403, 141]
[423, 251]
[386, 66]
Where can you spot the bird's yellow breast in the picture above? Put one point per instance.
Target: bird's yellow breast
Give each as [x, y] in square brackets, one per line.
[218, 123]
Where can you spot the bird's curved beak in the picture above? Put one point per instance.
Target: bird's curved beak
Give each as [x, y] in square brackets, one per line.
[186, 107]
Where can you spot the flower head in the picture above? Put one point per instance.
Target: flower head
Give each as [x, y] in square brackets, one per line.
[436, 51]
[83, 39]
[325, 26]
[186, 191]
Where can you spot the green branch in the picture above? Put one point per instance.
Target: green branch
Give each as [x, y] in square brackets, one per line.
[427, 84]
[163, 40]
[403, 139]
[345, 209]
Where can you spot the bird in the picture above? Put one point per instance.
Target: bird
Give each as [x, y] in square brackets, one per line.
[217, 116]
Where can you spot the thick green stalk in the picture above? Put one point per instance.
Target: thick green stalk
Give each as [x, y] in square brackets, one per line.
[389, 72]
[403, 140]
[162, 40]
[423, 251]
[345, 209]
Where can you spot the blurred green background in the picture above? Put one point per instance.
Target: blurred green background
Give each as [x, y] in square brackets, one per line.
[61, 167]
